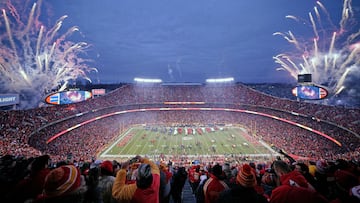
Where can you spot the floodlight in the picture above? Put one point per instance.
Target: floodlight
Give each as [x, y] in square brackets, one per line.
[147, 80]
[219, 80]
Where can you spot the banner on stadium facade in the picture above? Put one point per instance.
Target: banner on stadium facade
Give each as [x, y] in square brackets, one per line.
[9, 99]
[97, 92]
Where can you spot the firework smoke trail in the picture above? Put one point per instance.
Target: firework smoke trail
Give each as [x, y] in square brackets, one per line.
[34, 59]
[331, 56]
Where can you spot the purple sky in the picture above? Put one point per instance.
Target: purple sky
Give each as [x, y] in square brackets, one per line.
[189, 41]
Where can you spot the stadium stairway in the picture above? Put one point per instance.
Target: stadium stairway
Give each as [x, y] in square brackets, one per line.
[187, 195]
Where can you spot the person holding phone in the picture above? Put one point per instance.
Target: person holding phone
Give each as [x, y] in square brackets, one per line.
[147, 185]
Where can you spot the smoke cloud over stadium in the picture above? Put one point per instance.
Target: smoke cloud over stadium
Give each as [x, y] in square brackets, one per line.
[35, 58]
[331, 55]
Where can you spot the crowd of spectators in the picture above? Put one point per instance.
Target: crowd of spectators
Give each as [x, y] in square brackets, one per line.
[24, 133]
[140, 179]
[294, 140]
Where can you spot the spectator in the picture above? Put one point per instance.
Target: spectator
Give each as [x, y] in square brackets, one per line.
[32, 186]
[63, 184]
[345, 181]
[244, 190]
[304, 170]
[92, 181]
[199, 193]
[214, 185]
[321, 178]
[194, 177]
[227, 173]
[146, 188]
[106, 182]
[165, 183]
[268, 182]
[293, 187]
[177, 184]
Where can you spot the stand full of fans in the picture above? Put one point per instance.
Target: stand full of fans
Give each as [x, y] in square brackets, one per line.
[141, 179]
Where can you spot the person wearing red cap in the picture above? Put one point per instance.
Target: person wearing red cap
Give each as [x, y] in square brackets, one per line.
[293, 187]
[63, 184]
[106, 182]
[146, 188]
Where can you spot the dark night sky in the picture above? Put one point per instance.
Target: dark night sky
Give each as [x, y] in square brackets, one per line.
[189, 41]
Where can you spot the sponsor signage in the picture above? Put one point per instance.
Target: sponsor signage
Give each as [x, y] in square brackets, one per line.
[9, 99]
[98, 91]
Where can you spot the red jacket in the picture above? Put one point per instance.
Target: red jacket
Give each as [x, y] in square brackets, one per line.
[212, 188]
[294, 189]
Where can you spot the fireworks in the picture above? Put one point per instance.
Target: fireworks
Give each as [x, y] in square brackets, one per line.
[34, 58]
[332, 56]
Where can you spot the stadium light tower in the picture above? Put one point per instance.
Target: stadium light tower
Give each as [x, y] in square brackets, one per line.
[147, 80]
[220, 80]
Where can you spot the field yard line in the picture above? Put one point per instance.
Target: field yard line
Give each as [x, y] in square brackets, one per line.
[140, 140]
[189, 155]
[268, 147]
[203, 139]
[115, 143]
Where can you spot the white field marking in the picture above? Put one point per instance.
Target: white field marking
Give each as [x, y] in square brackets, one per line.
[115, 143]
[104, 154]
[190, 155]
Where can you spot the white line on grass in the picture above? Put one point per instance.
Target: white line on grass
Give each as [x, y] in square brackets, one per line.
[115, 143]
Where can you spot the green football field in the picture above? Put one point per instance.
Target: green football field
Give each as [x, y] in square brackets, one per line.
[185, 141]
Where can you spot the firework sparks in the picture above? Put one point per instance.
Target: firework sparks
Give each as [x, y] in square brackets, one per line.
[34, 59]
[331, 56]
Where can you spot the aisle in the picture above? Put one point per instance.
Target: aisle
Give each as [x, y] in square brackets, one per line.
[188, 196]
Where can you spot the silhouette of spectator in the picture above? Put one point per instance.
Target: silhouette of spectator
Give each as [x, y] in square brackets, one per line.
[345, 181]
[32, 186]
[244, 190]
[177, 183]
[214, 185]
[293, 187]
[63, 184]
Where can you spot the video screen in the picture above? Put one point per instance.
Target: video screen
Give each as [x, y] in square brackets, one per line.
[68, 97]
[310, 92]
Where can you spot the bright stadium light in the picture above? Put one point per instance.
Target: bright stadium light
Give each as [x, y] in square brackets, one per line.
[219, 80]
[147, 80]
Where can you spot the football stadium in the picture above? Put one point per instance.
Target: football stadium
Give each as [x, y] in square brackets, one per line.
[183, 136]
[184, 125]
